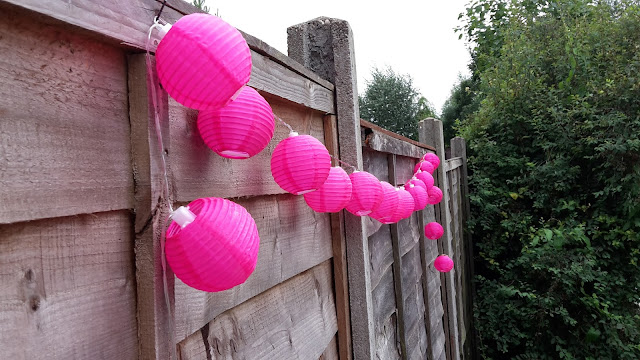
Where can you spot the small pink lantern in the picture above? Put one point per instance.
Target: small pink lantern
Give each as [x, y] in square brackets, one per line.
[424, 166]
[212, 244]
[366, 193]
[387, 207]
[433, 231]
[203, 62]
[419, 195]
[239, 130]
[405, 206]
[443, 263]
[435, 195]
[426, 178]
[416, 182]
[333, 195]
[300, 164]
[432, 158]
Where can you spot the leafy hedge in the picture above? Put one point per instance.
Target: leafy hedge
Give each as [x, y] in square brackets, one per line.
[555, 161]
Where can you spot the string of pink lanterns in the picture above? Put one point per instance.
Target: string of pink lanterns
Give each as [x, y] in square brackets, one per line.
[212, 243]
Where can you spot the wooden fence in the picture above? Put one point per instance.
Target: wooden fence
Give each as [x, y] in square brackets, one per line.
[82, 206]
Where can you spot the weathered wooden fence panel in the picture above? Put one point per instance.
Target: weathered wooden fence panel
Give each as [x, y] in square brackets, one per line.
[84, 206]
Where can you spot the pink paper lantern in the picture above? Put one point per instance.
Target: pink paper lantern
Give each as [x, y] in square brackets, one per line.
[419, 195]
[424, 166]
[432, 158]
[435, 195]
[300, 164]
[212, 244]
[405, 206]
[203, 62]
[426, 178]
[366, 193]
[416, 182]
[239, 130]
[333, 195]
[443, 263]
[390, 200]
[433, 231]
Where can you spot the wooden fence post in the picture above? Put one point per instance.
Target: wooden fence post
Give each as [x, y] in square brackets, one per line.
[326, 47]
[154, 333]
[431, 133]
[459, 149]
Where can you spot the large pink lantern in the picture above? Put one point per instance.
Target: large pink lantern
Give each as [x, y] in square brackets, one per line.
[203, 62]
[239, 130]
[366, 193]
[300, 164]
[443, 263]
[419, 195]
[405, 206]
[212, 244]
[433, 231]
[386, 209]
[432, 158]
[426, 178]
[424, 166]
[435, 195]
[333, 195]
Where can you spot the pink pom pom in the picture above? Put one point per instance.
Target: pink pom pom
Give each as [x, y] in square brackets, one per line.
[443, 263]
[366, 194]
[203, 62]
[432, 158]
[333, 195]
[218, 249]
[419, 196]
[433, 231]
[300, 164]
[387, 207]
[424, 166]
[435, 195]
[239, 130]
[426, 178]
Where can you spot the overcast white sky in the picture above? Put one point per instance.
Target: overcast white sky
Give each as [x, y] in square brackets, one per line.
[412, 37]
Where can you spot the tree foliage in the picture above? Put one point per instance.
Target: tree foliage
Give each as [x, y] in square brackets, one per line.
[555, 160]
[461, 104]
[392, 102]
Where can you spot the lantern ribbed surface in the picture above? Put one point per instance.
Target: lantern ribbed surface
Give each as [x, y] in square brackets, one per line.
[406, 204]
[333, 195]
[426, 178]
[435, 195]
[419, 195]
[433, 231]
[218, 250]
[300, 164]
[387, 207]
[366, 193]
[432, 158]
[203, 61]
[424, 166]
[239, 130]
[443, 263]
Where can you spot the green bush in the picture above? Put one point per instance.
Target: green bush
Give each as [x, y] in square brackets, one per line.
[554, 155]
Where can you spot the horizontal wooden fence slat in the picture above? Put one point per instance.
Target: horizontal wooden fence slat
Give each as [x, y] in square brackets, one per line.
[293, 238]
[452, 164]
[296, 319]
[199, 172]
[64, 129]
[67, 288]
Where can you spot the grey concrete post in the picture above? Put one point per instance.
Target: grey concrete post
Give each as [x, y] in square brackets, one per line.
[325, 46]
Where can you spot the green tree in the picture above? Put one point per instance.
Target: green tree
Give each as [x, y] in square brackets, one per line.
[555, 158]
[459, 106]
[391, 101]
